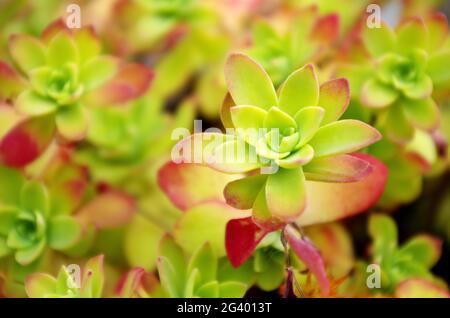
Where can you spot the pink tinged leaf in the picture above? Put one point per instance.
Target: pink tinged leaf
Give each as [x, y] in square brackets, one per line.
[39, 285]
[326, 29]
[93, 277]
[411, 33]
[52, 29]
[9, 117]
[188, 185]
[242, 193]
[340, 168]
[11, 84]
[346, 199]
[241, 238]
[27, 52]
[130, 82]
[437, 30]
[109, 209]
[334, 98]
[344, 136]
[129, 283]
[25, 142]
[87, 42]
[248, 83]
[308, 254]
[420, 288]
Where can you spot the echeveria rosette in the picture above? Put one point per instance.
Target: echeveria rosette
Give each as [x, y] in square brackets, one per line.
[400, 71]
[65, 284]
[196, 277]
[27, 225]
[313, 144]
[197, 191]
[64, 73]
[306, 38]
[168, 19]
[412, 260]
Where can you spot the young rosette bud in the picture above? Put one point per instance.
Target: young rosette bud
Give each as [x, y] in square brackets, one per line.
[71, 282]
[290, 137]
[398, 72]
[63, 72]
[27, 225]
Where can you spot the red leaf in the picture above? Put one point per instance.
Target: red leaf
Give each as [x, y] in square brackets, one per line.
[326, 29]
[108, 209]
[241, 238]
[129, 282]
[309, 255]
[130, 82]
[25, 142]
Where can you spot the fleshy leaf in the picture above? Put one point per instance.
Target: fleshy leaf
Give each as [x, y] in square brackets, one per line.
[97, 71]
[30, 103]
[27, 255]
[64, 231]
[334, 98]
[129, 283]
[437, 26]
[62, 49]
[383, 231]
[298, 158]
[308, 254]
[343, 136]
[130, 82]
[308, 122]
[11, 182]
[241, 238]
[205, 222]
[346, 199]
[26, 141]
[412, 33]
[285, 193]
[423, 113]
[27, 52]
[300, 89]
[40, 285]
[248, 120]
[72, 122]
[424, 249]
[377, 94]
[109, 209]
[176, 181]
[248, 83]
[93, 278]
[340, 168]
[436, 67]
[242, 193]
[87, 42]
[277, 119]
[232, 290]
[205, 261]
[11, 84]
[397, 126]
[326, 29]
[379, 40]
[420, 288]
[34, 197]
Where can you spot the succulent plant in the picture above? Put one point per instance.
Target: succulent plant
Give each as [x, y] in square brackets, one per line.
[27, 225]
[398, 72]
[69, 283]
[413, 259]
[196, 277]
[307, 37]
[65, 72]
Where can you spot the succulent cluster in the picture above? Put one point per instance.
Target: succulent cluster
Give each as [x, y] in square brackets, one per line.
[310, 115]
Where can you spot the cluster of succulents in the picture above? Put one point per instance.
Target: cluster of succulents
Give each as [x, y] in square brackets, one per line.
[331, 134]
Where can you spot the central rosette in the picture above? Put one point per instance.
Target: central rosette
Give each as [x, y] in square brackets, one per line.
[279, 136]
